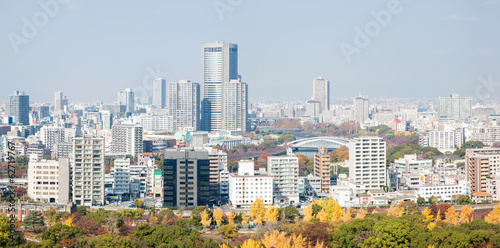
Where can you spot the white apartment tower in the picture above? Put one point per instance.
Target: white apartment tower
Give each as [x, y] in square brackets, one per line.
[160, 93]
[126, 140]
[361, 109]
[49, 180]
[88, 171]
[285, 172]
[321, 93]
[52, 135]
[184, 104]
[219, 62]
[235, 106]
[367, 162]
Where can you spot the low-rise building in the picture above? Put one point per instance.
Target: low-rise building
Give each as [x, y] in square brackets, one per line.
[246, 186]
[444, 192]
[49, 180]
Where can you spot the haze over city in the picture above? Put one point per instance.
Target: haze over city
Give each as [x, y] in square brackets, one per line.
[91, 49]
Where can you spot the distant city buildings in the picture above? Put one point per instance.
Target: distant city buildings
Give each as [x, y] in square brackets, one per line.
[19, 105]
[321, 93]
[126, 98]
[235, 106]
[160, 93]
[361, 109]
[454, 107]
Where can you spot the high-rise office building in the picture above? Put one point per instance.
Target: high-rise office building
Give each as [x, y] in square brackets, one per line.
[322, 168]
[321, 93]
[454, 107]
[186, 178]
[361, 109]
[160, 93]
[19, 108]
[235, 106]
[285, 171]
[367, 162]
[88, 171]
[126, 140]
[184, 105]
[219, 65]
[60, 101]
[126, 98]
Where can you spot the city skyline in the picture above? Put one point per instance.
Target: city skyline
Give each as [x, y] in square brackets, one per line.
[453, 61]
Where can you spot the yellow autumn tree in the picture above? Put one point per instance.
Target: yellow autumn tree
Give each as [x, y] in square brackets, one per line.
[218, 215]
[494, 216]
[69, 221]
[224, 245]
[323, 216]
[244, 219]
[298, 241]
[308, 212]
[152, 220]
[230, 218]
[465, 214]
[347, 215]
[251, 243]
[452, 217]
[427, 214]
[205, 220]
[257, 211]
[276, 239]
[431, 226]
[438, 215]
[395, 210]
[271, 213]
[361, 214]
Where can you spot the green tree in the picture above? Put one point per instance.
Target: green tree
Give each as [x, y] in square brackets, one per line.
[290, 212]
[59, 232]
[389, 233]
[82, 210]
[113, 241]
[22, 160]
[410, 208]
[420, 200]
[347, 235]
[33, 221]
[286, 136]
[139, 203]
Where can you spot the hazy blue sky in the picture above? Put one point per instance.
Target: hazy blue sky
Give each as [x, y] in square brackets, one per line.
[91, 49]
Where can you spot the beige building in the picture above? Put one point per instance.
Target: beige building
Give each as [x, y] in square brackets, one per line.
[477, 169]
[322, 168]
[48, 180]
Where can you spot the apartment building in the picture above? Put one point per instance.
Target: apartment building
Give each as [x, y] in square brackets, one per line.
[367, 162]
[444, 192]
[218, 162]
[322, 168]
[88, 171]
[285, 172]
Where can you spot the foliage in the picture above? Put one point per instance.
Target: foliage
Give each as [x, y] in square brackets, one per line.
[33, 221]
[410, 207]
[230, 218]
[257, 211]
[340, 154]
[205, 219]
[90, 226]
[228, 231]
[81, 210]
[59, 232]
[218, 215]
[389, 233]
[347, 234]
[494, 216]
[139, 203]
[399, 151]
[286, 137]
[468, 145]
[6, 232]
[271, 213]
[315, 233]
[113, 241]
[395, 210]
[420, 200]
[291, 212]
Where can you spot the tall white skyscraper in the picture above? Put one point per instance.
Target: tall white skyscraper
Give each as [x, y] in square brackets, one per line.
[361, 109]
[321, 93]
[454, 107]
[160, 93]
[60, 102]
[367, 162]
[184, 104]
[126, 98]
[235, 106]
[219, 65]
